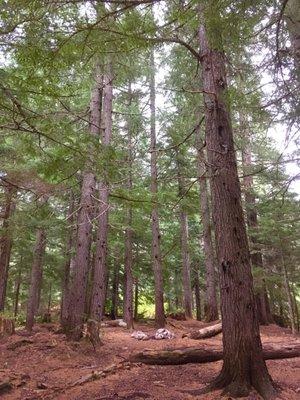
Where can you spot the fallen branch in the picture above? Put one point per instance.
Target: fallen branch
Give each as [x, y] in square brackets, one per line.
[204, 333]
[198, 355]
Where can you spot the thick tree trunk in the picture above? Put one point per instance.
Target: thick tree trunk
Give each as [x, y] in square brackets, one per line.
[261, 297]
[204, 333]
[77, 299]
[6, 241]
[211, 306]
[184, 238]
[156, 252]
[36, 277]
[243, 365]
[100, 274]
[128, 262]
[197, 296]
[200, 355]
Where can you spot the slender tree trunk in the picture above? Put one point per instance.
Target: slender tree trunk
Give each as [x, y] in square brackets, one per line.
[288, 294]
[17, 292]
[184, 237]
[136, 300]
[6, 241]
[77, 299]
[36, 275]
[128, 278]
[66, 281]
[197, 296]
[115, 290]
[243, 366]
[261, 297]
[156, 252]
[296, 309]
[99, 288]
[211, 305]
[292, 13]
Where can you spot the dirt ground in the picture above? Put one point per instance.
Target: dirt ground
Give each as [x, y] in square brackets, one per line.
[45, 366]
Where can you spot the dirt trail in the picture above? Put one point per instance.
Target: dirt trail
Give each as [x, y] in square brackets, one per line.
[46, 366]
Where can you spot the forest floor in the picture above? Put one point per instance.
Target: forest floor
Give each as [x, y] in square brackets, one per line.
[45, 366]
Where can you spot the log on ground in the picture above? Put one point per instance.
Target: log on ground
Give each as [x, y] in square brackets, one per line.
[205, 333]
[200, 355]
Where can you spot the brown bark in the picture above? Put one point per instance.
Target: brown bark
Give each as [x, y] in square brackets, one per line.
[77, 299]
[211, 306]
[136, 299]
[66, 281]
[156, 252]
[7, 326]
[36, 278]
[200, 355]
[184, 237]
[115, 290]
[288, 294]
[197, 296]
[128, 278]
[243, 366]
[204, 333]
[17, 292]
[6, 241]
[99, 287]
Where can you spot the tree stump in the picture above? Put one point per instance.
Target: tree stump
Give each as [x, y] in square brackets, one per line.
[7, 326]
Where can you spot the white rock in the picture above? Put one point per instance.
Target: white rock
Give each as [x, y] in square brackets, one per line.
[163, 334]
[139, 335]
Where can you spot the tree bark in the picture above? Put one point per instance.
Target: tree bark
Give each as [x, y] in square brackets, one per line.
[128, 262]
[6, 241]
[36, 277]
[197, 296]
[17, 292]
[115, 290]
[156, 252]
[243, 365]
[184, 238]
[200, 355]
[66, 281]
[211, 305]
[77, 299]
[99, 285]
[204, 333]
[288, 295]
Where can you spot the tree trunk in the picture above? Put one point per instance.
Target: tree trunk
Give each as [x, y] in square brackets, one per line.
[197, 296]
[200, 355]
[17, 292]
[292, 13]
[66, 281]
[256, 257]
[77, 299]
[243, 364]
[115, 291]
[6, 241]
[136, 300]
[156, 252]
[99, 285]
[128, 278]
[204, 333]
[288, 295]
[184, 238]
[211, 306]
[36, 277]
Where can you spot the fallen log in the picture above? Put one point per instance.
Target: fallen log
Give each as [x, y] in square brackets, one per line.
[197, 355]
[204, 333]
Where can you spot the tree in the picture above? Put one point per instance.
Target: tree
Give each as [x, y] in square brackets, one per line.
[243, 364]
